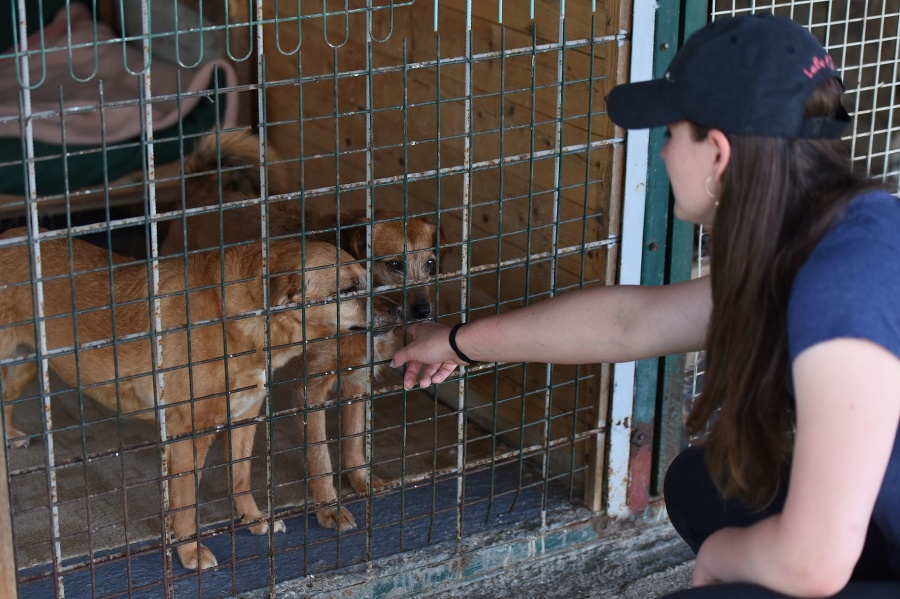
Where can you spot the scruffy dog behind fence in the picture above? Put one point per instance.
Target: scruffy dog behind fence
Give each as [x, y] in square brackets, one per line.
[404, 254]
[413, 267]
[224, 324]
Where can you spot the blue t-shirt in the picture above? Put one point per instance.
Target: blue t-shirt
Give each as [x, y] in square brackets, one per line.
[850, 287]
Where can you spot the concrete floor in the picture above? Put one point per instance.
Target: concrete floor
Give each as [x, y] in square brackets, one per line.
[574, 556]
[635, 564]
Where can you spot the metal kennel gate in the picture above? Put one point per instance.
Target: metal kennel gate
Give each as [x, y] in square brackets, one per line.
[494, 131]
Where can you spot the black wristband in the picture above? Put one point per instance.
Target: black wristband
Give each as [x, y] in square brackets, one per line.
[453, 345]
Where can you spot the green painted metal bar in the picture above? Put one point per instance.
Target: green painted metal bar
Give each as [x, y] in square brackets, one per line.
[666, 259]
[682, 238]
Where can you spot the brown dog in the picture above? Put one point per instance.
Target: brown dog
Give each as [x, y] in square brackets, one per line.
[404, 256]
[218, 336]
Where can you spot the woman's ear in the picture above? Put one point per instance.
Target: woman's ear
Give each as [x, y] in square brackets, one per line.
[721, 153]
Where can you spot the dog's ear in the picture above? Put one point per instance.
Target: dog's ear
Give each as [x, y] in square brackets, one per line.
[283, 288]
[355, 240]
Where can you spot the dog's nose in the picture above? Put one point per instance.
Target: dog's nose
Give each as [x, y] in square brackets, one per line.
[420, 310]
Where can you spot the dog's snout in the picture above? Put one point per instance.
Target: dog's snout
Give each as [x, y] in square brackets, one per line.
[387, 312]
[419, 310]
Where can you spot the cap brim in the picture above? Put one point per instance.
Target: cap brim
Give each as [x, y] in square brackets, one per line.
[643, 105]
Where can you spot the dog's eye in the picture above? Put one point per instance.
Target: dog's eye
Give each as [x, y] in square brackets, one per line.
[394, 264]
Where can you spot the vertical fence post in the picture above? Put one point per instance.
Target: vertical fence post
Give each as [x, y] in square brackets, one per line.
[656, 251]
[464, 272]
[7, 555]
[665, 258]
[40, 341]
[635, 188]
[680, 237]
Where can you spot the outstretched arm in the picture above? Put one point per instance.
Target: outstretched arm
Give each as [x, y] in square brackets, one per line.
[599, 324]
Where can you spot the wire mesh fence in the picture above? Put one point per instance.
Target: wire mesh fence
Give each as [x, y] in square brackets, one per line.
[220, 216]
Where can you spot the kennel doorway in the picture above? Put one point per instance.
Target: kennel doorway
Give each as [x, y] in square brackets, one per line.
[486, 119]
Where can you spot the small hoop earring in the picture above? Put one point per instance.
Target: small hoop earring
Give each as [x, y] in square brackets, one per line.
[711, 195]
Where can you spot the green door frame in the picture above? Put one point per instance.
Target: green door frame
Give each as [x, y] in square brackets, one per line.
[667, 250]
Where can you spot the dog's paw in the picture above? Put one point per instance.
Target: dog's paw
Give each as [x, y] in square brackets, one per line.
[360, 482]
[332, 518]
[261, 528]
[191, 559]
[16, 438]
[20, 443]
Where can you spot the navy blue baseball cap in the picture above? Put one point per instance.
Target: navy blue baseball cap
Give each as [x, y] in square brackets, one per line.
[749, 75]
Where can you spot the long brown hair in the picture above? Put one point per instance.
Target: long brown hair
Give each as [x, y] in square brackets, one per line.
[778, 198]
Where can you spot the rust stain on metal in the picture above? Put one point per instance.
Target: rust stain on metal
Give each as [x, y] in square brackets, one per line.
[641, 467]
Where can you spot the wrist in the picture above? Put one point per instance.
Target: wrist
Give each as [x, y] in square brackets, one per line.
[455, 347]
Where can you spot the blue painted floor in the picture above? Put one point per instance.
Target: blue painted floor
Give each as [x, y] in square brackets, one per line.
[402, 520]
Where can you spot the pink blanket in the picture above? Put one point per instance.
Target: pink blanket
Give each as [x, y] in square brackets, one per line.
[100, 61]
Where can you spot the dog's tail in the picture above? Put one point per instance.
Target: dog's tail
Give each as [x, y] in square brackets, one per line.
[234, 158]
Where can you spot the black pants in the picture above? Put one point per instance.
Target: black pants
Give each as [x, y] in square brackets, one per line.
[697, 510]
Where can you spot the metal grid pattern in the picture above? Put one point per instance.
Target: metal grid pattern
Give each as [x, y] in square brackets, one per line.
[864, 39]
[404, 112]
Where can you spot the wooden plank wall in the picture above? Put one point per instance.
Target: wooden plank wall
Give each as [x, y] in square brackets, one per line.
[418, 126]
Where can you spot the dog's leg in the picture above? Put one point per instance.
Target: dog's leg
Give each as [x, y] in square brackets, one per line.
[15, 378]
[319, 471]
[353, 427]
[238, 453]
[183, 500]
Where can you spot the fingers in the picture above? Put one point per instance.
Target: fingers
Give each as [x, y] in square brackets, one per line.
[444, 371]
[425, 357]
[426, 377]
[409, 377]
[399, 358]
[404, 355]
[426, 374]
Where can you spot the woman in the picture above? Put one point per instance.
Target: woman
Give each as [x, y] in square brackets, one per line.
[795, 491]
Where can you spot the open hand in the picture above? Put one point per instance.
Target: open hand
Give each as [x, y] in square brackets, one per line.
[429, 358]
